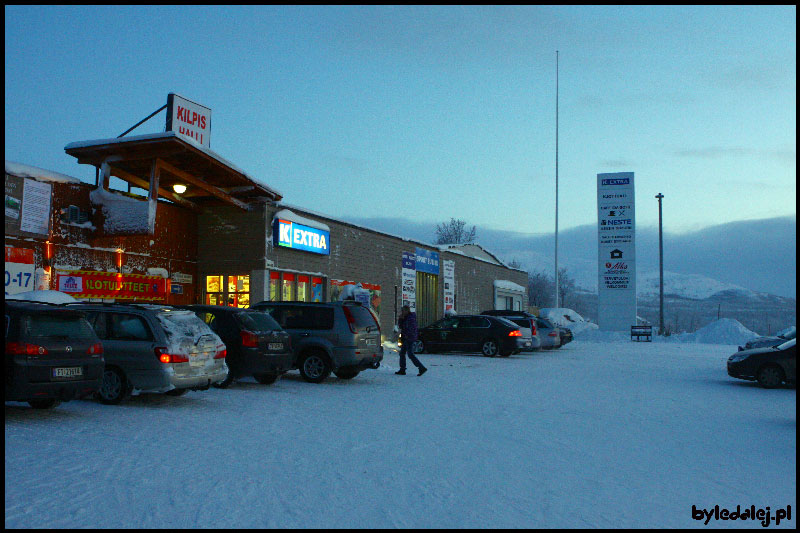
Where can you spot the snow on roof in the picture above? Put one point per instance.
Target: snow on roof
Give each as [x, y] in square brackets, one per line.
[286, 214]
[167, 135]
[39, 174]
[121, 213]
[508, 285]
[51, 297]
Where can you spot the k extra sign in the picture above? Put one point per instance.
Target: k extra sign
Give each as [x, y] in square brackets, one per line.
[288, 234]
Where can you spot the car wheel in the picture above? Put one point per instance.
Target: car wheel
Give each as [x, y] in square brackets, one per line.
[266, 379]
[114, 388]
[419, 346]
[314, 367]
[347, 373]
[44, 404]
[177, 392]
[225, 382]
[770, 376]
[489, 348]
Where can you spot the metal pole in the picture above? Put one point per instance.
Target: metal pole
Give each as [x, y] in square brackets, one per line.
[142, 121]
[660, 270]
[556, 273]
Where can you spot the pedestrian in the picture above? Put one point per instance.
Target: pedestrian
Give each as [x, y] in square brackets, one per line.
[408, 330]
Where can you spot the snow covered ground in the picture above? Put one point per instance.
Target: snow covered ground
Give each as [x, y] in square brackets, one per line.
[597, 434]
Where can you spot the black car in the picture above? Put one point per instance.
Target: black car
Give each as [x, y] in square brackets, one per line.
[52, 354]
[489, 335]
[770, 366]
[257, 346]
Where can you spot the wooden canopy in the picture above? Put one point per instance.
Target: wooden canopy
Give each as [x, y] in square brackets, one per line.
[156, 162]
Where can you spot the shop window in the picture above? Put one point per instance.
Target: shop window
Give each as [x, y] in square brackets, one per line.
[274, 286]
[302, 288]
[233, 291]
[316, 289]
[288, 287]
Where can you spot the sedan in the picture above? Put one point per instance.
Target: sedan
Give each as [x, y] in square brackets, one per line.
[770, 366]
[489, 335]
[779, 338]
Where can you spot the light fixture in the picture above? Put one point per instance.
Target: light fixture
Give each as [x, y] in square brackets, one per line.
[178, 188]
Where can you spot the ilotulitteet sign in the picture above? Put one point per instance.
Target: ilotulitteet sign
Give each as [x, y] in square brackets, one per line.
[189, 119]
[86, 284]
[616, 247]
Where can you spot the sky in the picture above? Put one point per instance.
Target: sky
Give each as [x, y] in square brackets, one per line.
[434, 112]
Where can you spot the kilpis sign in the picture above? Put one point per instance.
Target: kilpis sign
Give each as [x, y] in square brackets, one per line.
[189, 119]
[288, 234]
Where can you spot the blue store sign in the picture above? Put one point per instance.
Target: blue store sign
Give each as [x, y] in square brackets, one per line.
[427, 261]
[290, 234]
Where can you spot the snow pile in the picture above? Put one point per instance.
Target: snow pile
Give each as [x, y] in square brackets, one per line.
[722, 331]
[40, 174]
[122, 214]
[286, 214]
[50, 297]
[565, 317]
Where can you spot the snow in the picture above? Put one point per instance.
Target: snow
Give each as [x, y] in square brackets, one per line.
[52, 297]
[39, 174]
[568, 318]
[594, 435]
[508, 285]
[286, 214]
[123, 214]
[724, 331]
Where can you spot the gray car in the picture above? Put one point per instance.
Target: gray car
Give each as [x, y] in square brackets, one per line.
[154, 348]
[779, 338]
[339, 337]
[549, 334]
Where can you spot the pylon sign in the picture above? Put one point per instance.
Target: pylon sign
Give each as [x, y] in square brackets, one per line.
[616, 249]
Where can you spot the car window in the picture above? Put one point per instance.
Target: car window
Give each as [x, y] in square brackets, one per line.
[208, 318]
[473, 322]
[126, 327]
[506, 322]
[301, 316]
[55, 326]
[447, 323]
[99, 324]
[363, 318]
[257, 321]
[542, 323]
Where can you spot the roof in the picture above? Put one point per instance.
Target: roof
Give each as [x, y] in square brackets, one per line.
[181, 160]
[40, 174]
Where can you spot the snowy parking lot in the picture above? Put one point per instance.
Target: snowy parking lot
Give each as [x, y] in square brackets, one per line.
[597, 434]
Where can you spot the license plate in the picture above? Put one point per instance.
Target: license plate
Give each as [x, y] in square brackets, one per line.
[275, 346]
[371, 342]
[70, 372]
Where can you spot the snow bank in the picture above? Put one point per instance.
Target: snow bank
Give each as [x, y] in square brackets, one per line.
[508, 285]
[286, 214]
[722, 331]
[565, 317]
[51, 297]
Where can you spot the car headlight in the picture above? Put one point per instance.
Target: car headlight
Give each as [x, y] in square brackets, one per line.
[735, 358]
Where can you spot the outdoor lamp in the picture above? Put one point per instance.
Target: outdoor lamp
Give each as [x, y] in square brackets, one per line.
[178, 188]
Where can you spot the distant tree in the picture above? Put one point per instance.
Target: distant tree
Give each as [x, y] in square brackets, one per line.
[541, 288]
[514, 263]
[566, 287]
[454, 232]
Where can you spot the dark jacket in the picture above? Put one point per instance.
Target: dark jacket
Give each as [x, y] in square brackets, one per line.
[408, 327]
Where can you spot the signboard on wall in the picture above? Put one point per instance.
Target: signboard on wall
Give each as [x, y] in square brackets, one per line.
[616, 229]
[427, 261]
[95, 284]
[449, 268]
[27, 204]
[288, 234]
[189, 119]
[409, 279]
[19, 270]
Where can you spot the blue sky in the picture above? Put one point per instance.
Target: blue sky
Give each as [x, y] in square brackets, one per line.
[428, 113]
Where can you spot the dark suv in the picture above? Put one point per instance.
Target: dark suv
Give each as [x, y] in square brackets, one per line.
[339, 337]
[257, 346]
[52, 354]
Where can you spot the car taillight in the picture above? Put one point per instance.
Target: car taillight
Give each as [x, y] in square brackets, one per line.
[249, 339]
[515, 333]
[351, 321]
[167, 358]
[221, 354]
[553, 334]
[95, 349]
[23, 348]
[533, 328]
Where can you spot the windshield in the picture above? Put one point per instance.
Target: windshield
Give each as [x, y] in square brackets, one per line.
[257, 321]
[787, 344]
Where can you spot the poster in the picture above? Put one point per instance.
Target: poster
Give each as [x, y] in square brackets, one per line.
[449, 268]
[19, 270]
[409, 280]
[27, 206]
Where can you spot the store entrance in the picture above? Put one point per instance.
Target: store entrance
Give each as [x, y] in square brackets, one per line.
[233, 291]
[427, 299]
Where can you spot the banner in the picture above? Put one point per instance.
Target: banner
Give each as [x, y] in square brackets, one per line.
[111, 285]
[19, 270]
[616, 230]
[449, 268]
[409, 279]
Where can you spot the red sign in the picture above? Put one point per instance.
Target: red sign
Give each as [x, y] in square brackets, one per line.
[94, 284]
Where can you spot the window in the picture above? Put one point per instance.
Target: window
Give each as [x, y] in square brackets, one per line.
[288, 287]
[54, 326]
[233, 291]
[301, 317]
[124, 327]
[302, 288]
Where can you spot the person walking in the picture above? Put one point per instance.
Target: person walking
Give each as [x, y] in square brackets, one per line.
[408, 330]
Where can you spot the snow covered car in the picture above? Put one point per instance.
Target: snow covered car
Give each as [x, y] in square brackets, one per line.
[154, 348]
[779, 338]
[52, 354]
[770, 366]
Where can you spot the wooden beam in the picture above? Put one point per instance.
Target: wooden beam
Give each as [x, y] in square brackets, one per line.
[197, 182]
[142, 184]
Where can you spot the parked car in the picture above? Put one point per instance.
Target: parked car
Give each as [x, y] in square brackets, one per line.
[770, 366]
[52, 354]
[256, 344]
[526, 323]
[549, 334]
[779, 338]
[566, 335]
[154, 348]
[490, 335]
[340, 337]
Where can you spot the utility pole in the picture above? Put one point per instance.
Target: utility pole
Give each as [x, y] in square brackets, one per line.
[660, 270]
[556, 273]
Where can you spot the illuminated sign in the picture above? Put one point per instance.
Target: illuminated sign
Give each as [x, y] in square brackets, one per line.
[95, 284]
[290, 234]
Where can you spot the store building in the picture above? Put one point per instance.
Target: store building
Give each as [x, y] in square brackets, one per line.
[203, 231]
